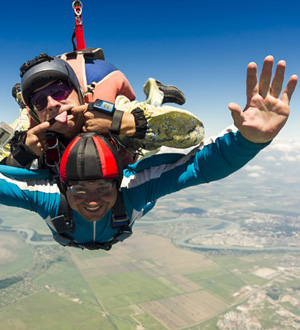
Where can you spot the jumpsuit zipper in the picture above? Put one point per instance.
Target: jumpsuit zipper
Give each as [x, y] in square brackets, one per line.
[94, 231]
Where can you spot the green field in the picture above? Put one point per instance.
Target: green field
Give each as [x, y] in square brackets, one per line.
[147, 282]
[47, 311]
[17, 255]
[127, 288]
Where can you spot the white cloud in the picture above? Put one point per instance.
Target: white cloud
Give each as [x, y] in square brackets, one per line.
[286, 145]
[254, 168]
[290, 158]
[254, 175]
[270, 159]
[256, 171]
[283, 151]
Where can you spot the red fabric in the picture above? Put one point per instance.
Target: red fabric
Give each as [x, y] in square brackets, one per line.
[80, 44]
[64, 159]
[108, 162]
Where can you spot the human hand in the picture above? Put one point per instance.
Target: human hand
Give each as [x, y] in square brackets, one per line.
[94, 121]
[266, 112]
[36, 138]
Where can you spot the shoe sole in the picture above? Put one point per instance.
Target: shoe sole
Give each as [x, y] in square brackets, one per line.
[171, 127]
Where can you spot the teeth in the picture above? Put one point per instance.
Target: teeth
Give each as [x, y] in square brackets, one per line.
[90, 208]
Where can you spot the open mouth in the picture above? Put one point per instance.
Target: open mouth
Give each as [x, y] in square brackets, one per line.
[61, 118]
[93, 208]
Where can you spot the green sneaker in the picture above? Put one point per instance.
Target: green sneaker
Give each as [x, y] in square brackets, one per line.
[157, 93]
[170, 127]
[167, 126]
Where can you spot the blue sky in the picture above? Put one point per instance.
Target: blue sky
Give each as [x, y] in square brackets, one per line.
[202, 47]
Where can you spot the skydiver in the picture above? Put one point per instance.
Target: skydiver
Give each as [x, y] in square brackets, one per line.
[52, 91]
[105, 201]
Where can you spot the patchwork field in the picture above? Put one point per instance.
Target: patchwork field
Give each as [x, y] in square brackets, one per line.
[147, 282]
[133, 285]
[138, 273]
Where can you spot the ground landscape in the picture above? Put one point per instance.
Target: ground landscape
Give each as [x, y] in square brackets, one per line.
[225, 255]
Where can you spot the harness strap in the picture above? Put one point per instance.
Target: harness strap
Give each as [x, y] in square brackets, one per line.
[119, 213]
[76, 60]
[52, 154]
[77, 6]
[89, 53]
[63, 223]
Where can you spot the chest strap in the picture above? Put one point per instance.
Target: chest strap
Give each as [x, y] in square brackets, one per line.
[63, 225]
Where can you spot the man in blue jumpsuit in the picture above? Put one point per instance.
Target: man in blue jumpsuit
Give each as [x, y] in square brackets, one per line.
[95, 185]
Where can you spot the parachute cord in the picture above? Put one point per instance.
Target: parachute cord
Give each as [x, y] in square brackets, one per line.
[77, 6]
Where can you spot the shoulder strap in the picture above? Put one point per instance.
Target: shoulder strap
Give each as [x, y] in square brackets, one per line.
[77, 59]
[120, 220]
[63, 223]
[119, 213]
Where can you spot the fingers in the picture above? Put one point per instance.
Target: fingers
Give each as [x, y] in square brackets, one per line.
[265, 77]
[43, 145]
[81, 109]
[278, 79]
[37, 133]
[289, 89]
[264, 87]
[39, 128]
[36, 138]
[251, 83]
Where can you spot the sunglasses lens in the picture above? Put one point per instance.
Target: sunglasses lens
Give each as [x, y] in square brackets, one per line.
[61, 95]
[39, 102]
[59, 90]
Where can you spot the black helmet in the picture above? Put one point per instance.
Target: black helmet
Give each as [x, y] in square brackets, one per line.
[91, 157]
[43, 69]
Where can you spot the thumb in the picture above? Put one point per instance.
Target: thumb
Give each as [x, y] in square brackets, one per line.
[235, 109]
[237, 115]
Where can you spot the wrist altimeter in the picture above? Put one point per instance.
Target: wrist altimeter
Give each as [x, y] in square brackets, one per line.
[104, 107]
[109, 109]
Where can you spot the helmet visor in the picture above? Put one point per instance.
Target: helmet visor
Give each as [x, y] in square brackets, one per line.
[80, 190]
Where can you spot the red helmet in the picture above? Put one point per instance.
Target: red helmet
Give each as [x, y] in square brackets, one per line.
[91, 157]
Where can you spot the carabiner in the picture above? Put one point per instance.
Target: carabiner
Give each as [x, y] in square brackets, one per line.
[77, 6]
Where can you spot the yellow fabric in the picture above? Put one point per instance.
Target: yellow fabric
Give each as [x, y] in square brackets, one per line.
[20, 124]
[168, 126]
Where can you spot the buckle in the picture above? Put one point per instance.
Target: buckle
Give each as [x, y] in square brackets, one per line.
[119, 220]
[61, 225]
[52, 154]
[95, 246]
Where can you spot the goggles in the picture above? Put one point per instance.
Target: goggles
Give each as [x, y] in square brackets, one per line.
[81, 191]
[58, 90]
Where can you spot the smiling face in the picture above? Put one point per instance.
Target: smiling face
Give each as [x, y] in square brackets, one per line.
[55, 101]
[92, 199]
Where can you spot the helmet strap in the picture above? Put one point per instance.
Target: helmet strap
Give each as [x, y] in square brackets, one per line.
[34, 116]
